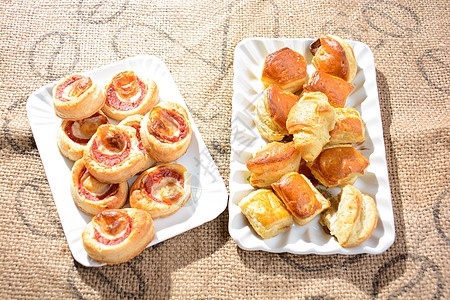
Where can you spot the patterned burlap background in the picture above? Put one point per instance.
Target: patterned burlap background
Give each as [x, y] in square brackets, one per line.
[42, 41]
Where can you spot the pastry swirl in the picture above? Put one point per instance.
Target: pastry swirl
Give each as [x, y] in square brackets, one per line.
[348, 128]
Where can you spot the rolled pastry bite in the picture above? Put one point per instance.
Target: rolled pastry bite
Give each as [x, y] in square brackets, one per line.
[272, 110]
[113, 155]
[271, 162]
[166, 131]
[162, 190]
[77, 97]
[351, 218]
[334, 56]
[338, 165]
[73, 136]
[117, 235]
[349, 127]
[285, 68]
[127, 95]
[92, 196]
[266, 213]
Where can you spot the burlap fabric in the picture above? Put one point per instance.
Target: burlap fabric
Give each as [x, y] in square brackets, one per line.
[42, 41]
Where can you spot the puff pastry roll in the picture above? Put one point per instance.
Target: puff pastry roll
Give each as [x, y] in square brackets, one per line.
[161, 190]
[73, 136]
[310, 121]
[266, 213]
[335, 88]
[113, 155]
[338, 165]
[285, 68]
[166, 132]
[271, 162]
[77, 97]
[334, 56]
[127, 95]
[300, 197]
[117, 235]
[348, 128]
[351, 218]
[93, 196]
[272, 110]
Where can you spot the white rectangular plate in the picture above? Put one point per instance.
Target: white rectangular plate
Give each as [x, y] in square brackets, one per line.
[209, 194]
[249, 58]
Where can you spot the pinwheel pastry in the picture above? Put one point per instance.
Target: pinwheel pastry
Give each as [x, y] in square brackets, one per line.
[351, 218]
[77, 97]
[113, 155]
[266, 213]
[334, 56]
[161, 190]
[73, 136]
[271, 162]
[348, 128]
[300, 197]
[135, 122]
[310, 121]
[285, 68]
[117, 235]
[335, 88]
[93, 196]
[272, 110]
[166, 132]
[338, 165]
[127, 95]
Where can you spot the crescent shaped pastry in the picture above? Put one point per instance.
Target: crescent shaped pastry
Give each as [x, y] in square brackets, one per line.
[161, 190]
[300, 197]
[272, 110]
[166, 131]
[128, 95]
[77, 97]
[334, 56]
[285, 68]
[73, 136]
[348, 128]
[266, 213]
[271, 162]
[117, 235]
[113, 155]
[93, 196]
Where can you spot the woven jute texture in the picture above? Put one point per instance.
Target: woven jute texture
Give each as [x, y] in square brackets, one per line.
[42, 41]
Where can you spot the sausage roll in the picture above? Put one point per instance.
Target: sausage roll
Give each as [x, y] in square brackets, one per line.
[117, 235]
[77, 97]
[127, 95]
[285, 68]
[348, 128]
[166, 132]
[266, 213]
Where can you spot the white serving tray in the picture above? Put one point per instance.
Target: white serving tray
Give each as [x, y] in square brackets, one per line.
[209, 194]
[249, 58]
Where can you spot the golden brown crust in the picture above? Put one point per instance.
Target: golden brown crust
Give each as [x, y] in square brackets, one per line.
[348, 128]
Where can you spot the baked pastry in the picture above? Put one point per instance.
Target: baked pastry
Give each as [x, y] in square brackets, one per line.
[335, 88]
[117, 235]
[310, 121]
[351, 218]
[338, 165]
[73, 136]
[93, 196]
[348, 128]
[135, 122]
[166, 131]
[266, 213]
[128, 95]
[271, 162]
[285, 68]
[161, 190]
[272, 110]
[113, 155]
[77, 97]
[300, 197]
[334, 56]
